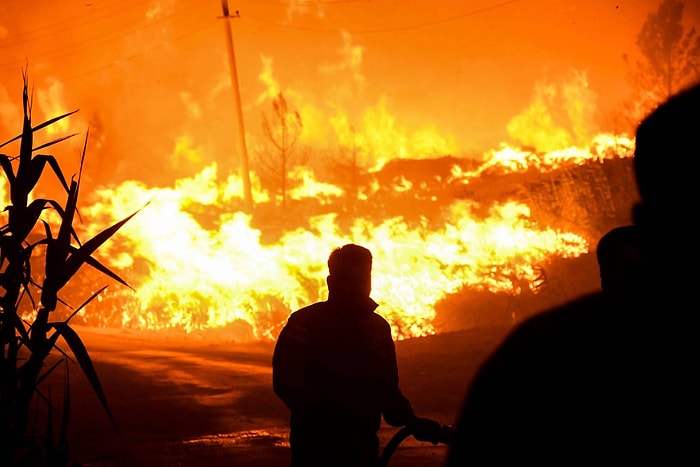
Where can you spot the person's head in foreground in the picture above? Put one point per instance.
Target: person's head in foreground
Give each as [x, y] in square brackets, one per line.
[666, 161]
[349, 273]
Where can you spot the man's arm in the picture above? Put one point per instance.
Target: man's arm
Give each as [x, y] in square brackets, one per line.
[397, 409]
[289, 364]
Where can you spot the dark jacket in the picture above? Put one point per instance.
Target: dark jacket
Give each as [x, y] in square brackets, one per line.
[335, 367]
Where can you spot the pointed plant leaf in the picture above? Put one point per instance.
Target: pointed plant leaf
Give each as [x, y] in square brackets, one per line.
[104, 270]
[48, 443]
[40, 162]
[53, 120]
[54, 339]
[58, 299]
[19, 190]
[31, 217]
[18, 325]
[59, 210]
[82, 156]
[47, 233]
[6, 164]
[65, 416]
[46, 373]
[33, 171]
[46, 401]
[85, 303]
[56, 205]
[78, 348]
[57, 250]
[26, 143]
[55, 141]
[74, 195]
[10, 141]
[64, 232]
[79, 257]
[53, 262]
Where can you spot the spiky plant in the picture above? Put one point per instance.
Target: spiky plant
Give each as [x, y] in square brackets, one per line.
[27, 342]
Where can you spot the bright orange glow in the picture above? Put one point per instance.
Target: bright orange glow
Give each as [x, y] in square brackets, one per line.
[508, 159]
[515, 87]
[200, 278]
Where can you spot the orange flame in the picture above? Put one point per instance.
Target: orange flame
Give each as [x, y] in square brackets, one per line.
[508, 159]
[188, 276]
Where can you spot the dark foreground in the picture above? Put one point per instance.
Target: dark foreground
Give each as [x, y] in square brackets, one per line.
[203, 401]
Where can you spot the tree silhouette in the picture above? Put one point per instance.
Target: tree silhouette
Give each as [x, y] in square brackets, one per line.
[670, 58]
[282, 128]
[350, 166]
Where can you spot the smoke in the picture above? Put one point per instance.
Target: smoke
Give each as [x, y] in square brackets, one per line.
[152, 83]
[561, 114]
[10, 116]
[266, 77]
[374, 131]
[51, 100]
[350, 64]
[314, 8]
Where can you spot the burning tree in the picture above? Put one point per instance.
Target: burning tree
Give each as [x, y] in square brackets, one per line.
[282, 129]
[670, 58]
[351, 166]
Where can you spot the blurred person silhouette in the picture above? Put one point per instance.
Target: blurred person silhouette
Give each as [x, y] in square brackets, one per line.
[620, 258]
[608, 378]
[334, 366]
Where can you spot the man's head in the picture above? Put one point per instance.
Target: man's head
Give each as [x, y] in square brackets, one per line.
[350, 272]
[666, 162]
[619, 255]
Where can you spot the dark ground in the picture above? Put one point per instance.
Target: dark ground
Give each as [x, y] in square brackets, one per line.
[200, 401]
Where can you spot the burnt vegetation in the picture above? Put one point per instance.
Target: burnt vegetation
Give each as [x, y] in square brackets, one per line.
[587, 199]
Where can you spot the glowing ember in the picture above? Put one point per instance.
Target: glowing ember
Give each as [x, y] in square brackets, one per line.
[198, 259]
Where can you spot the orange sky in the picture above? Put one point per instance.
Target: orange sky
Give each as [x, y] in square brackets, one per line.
[151, 78]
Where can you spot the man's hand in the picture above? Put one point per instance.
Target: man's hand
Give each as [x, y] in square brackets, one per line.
[425, 429]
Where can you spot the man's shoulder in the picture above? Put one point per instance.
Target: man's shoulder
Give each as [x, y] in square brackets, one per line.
[584, 308]
[309, 311]
[301, 322]
[565, 324]
[379, 321]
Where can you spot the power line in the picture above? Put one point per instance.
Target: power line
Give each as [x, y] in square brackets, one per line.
[103, 39]
[139, 53]
[62, 26]
[393, 29]
[311, 2]
[111, 36]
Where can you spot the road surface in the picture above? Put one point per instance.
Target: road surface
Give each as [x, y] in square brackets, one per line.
[200, 400]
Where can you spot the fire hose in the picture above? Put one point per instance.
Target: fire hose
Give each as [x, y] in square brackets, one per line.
[446, 433]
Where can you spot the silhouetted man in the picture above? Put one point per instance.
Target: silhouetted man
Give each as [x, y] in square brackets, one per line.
[334, 366]
[608, 379]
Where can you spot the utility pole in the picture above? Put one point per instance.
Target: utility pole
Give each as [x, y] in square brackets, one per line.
[245, 171]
